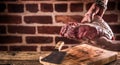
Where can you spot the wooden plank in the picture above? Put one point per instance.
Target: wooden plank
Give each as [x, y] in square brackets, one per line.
[19, 62]
[86, 55]
[19, 55]
[102, 58]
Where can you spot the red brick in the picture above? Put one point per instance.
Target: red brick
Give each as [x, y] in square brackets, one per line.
[10, 19]
[47, 48]
[2, 29]
[64, 47]
[115, 28]
[64, 0]
[118, 6]
[2, 7]
[16, 8]
[117, 37]
[32, 7]
[3, 48]
[8, 0]
[38, 19]
[49, 29]
[111, 6]
[23, 48]
[68, 18]
[61, 7]
[38, 39]
[50, 48]
[112, 0]
[76, 0]
[76, 7]
[88, 5]
[21, 29]
[10, 39]
[45, 7]
[35, 0]
[110, 18]
[66, 40]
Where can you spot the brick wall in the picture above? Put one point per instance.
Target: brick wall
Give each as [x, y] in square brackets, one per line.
[34, 25]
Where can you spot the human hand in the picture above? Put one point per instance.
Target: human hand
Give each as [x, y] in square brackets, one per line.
[86, 18]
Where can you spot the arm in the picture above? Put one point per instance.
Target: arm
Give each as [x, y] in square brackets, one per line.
[91, 32]
[98, 8]
[102, 4]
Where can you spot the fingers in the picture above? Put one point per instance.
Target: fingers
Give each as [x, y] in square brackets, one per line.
[86, 19]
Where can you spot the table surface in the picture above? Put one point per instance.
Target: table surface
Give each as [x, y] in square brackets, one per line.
[33, 58]
[17, 62]
[13, 61]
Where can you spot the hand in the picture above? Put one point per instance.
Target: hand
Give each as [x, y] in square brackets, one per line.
[86, 18]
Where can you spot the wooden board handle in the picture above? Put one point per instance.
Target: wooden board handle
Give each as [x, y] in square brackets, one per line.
[59, 45]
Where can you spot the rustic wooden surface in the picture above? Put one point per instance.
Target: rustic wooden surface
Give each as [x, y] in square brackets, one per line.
[32, 62]
[19, 62]
[20, 58]
[86, 55]
[29, 61]
[19, 55]
[32, 58]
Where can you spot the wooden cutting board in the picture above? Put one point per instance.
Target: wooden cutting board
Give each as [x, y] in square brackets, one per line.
[85, 55]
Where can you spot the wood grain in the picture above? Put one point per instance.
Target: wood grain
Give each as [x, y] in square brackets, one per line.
[86, 55]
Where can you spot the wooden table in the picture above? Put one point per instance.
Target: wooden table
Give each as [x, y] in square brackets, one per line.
[20, 58]
[29, 58]
[86, 55]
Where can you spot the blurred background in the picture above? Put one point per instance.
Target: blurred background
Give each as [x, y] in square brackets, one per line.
[34, 25]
